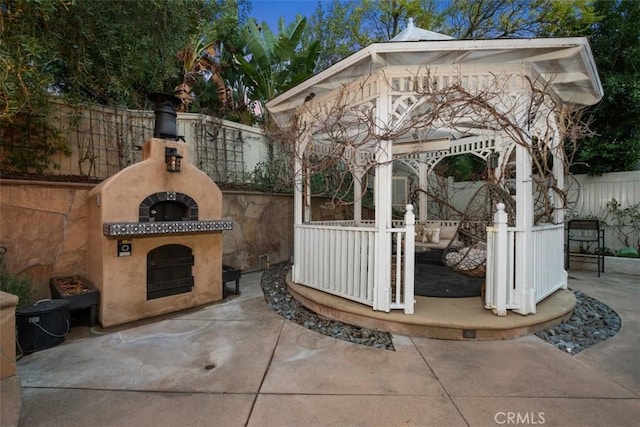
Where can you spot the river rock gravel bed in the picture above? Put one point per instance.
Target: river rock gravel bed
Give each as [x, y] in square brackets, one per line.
[274, 286]
[592, 321]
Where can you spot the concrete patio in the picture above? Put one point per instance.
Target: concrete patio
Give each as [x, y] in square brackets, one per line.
[238, 363]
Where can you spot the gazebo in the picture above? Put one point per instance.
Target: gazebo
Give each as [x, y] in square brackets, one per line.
[419, 98]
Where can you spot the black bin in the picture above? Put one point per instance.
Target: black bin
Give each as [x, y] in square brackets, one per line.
[42, 325]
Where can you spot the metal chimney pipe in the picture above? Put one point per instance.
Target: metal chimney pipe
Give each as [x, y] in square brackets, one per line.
[165, 120]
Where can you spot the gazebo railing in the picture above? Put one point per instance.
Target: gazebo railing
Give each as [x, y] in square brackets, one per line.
[346, 223]
[339, 258]
[396, 223]
[545, 266]
[548, 260]
[403, 264]
[500, 280]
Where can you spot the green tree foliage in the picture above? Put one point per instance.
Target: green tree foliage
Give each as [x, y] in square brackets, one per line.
[208, 64]
[464, 167]
[383, 19]
[566, 18]
[25, 61]
[26, 64]
[109, 52]
[117, 52]
[616, 46]
[350, 25]
[336, 28]
[20, 286]
[344, 27]
[274, 63]
[490, 19]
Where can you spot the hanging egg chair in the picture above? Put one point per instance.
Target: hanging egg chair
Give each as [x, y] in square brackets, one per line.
[466, 253]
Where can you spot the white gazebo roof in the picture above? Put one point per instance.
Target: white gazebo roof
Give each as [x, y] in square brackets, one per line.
[566, 64]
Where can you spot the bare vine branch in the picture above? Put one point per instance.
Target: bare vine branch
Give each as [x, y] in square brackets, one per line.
[344, 131]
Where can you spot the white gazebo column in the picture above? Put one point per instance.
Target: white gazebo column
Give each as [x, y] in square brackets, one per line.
[524, 292]
[357, 175]
[423, 182]
[557, 150]
[298, 200]
[306, 217]
[382, 199]
[382, 196]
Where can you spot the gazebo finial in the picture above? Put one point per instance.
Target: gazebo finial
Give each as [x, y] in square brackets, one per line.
[413, 33]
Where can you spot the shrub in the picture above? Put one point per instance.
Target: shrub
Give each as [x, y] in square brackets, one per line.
[18, 286]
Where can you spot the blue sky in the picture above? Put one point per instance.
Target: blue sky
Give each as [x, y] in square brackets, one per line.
[272, 10]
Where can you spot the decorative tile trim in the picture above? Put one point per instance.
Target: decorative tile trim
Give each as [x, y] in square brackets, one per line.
[117, 229]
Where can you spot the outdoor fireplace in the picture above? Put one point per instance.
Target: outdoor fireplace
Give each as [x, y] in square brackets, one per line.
[155, 237]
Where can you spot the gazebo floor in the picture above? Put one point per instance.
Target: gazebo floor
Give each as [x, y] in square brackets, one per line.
[440, 318]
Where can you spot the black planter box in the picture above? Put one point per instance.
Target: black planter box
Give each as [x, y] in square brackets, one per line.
[89, 297]
[42, 325]
[230, 274]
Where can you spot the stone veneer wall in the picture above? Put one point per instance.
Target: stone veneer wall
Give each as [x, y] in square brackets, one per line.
[263, 225]
[44, 227]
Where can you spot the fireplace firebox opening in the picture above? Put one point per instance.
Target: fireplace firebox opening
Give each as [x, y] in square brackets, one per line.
[168, 211]
[168, 206]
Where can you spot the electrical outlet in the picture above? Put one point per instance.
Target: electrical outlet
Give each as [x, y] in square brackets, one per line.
[34, 319]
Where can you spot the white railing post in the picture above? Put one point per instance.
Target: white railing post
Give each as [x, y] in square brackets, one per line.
[501, 259]
[490, 282]
[409, 258]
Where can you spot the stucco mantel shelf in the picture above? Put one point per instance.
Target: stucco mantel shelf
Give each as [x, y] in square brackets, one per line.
[151, 229]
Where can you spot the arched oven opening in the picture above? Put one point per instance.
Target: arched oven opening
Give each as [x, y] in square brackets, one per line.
[168, 211]
[168, 206]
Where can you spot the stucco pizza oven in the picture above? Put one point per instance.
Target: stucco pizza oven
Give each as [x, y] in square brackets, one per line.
[155, 233]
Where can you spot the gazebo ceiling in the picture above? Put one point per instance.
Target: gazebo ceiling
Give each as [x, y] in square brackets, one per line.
[567, 64]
